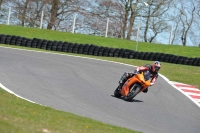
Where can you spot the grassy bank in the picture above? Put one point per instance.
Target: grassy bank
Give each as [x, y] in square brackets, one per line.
[97, 40]
[20, 116]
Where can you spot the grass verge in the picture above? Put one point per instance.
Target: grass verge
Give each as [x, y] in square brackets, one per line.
[97, 40]
[20, 116]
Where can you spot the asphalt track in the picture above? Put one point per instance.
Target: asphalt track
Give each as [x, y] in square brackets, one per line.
[85, 87]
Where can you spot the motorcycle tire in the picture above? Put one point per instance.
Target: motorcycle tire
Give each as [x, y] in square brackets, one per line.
[134, 91]
[117, 92]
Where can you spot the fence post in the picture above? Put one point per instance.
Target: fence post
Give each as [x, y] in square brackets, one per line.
[8, 22]
[107, 27]
[138, 32]
[74, 24]
[170, 38]
[41, 22]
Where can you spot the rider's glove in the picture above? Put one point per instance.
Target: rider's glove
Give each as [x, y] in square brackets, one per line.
[151, 84]
[136, 72]
[130, 75]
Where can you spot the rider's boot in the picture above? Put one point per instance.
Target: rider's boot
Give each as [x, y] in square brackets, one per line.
[123, 80]
[145, 90]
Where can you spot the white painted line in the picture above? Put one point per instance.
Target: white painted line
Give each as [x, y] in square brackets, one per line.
[6, 89]
[178, 83]
[190, 93]
[198, 100]
[192, 89]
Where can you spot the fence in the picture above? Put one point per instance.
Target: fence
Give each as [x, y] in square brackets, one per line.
[106, 29]
[42, 18]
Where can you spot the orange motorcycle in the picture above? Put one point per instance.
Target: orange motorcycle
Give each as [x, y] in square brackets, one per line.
[132, 86]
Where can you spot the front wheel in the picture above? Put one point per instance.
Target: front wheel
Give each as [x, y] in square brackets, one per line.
[117, 92]
[134, 91]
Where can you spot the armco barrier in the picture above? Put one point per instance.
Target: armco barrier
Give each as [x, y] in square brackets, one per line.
[116, 52]
[131, 54]
[53, 46]
[18, 40]
[8, 38]
[49, 45]
[28, 43]
[106, 51]
[196, 62]
[86, 49]
[2, 39]
[171, 58]
[64, 47]
[80, 49]
[23, 41]
[59, 46]
[69, 48]
[126, 53]
[96, 51]
[146, 55]
[121, 53]
[13, 40]
[141, 55]
[151, 56]
[91, 49]
[101, 51]
[39, 42]
[75, 48]
[34, 43]
[44, 44]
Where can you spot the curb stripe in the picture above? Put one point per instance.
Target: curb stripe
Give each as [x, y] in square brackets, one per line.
[190, 93]
[194, 96]
[194, 91]
[184, 85]
[189, 90]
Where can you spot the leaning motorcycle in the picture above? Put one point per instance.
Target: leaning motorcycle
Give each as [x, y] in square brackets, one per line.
[132, 87]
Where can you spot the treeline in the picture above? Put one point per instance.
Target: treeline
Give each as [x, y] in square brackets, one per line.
[165, 21]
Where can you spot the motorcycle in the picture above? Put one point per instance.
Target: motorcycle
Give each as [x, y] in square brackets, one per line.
[133, 86]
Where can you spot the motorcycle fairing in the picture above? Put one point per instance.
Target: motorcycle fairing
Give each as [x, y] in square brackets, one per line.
[139, 78]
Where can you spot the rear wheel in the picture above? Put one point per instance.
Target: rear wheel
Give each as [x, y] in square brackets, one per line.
[117, 92]
[134, 91]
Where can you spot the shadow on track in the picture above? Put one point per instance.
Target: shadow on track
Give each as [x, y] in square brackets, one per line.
[133, 100]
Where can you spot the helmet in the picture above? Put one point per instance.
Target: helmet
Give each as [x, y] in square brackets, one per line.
[156, 66]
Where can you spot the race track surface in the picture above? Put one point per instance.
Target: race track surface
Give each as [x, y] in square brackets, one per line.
[85, 87]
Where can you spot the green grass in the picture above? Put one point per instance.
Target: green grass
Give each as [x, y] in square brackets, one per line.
[18, 115]
[97, 40]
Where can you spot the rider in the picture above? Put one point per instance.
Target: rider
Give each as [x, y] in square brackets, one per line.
[150, 71]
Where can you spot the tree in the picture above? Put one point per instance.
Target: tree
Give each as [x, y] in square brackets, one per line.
[184, 20]
[1, 1]
[54, 13]
[23, 10]
[61, 10]
[155, 18]
[123, 16]
[133, 8]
